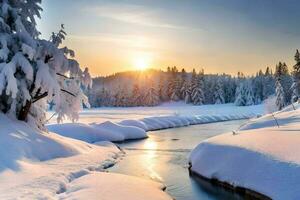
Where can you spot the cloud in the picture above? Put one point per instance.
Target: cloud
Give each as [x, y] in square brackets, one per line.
[136, 42]
[133, 14]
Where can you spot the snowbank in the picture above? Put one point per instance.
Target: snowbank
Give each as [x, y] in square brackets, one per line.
[263, 158]
[98, 186]
[107, 131]
[136, 123]
[124, 125]
[19, 141]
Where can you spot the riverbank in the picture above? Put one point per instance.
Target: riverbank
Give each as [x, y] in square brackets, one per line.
[261, 157]
[121, 124]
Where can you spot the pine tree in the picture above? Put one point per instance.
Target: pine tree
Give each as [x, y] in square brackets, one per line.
[244, 94]
[282, 74]
[280, 96]
[33, 71]
[151, 98]
[268, 84]
[175, 85]
[296, 78]
[136, 96]
[197, 88]
[219, 93]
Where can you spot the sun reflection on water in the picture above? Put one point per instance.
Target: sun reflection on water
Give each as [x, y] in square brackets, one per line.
[150, 160]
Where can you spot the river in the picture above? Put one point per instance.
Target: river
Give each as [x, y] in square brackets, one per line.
[164, 155]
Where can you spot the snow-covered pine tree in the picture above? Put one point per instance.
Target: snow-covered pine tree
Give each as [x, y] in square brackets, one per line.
[197, 88]
[296, 78]
[280, 96]
[33, 71]
[219, 93]
[244, 94]
[175, 85]
[186, 92]
[136, 96]
[258, 84]
[151, 97]
[282, 73]
[268, 84]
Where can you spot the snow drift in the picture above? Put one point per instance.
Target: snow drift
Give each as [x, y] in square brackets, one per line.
[96, 186]
[263, 158]
[19, 141]
[107, 131]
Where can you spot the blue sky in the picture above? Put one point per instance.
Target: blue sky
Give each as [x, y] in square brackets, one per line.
[217, 35]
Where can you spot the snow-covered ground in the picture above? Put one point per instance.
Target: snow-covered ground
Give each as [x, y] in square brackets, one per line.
[71, 164]
[119, 124]
[40, 165]
[260, 157]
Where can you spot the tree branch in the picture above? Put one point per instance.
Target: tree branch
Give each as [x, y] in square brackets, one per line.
[59, 74]
[68, 92]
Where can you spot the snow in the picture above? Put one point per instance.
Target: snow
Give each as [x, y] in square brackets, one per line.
[98, 186]
[132, 123]
[40, 165]
[107, 131]
[260, 156]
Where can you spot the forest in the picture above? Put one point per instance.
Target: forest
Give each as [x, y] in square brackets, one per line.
[153, 87]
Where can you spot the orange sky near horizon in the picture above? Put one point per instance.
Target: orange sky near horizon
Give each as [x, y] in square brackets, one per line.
[110, 37]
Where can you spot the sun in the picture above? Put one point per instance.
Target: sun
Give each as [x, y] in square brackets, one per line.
[141, 63]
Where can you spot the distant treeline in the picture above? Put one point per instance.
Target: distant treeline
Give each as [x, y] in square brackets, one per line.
[152, 87]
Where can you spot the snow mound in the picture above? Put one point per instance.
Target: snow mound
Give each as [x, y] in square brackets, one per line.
[136, 123]
[261, 157]
[107, 131]
[99, 186]
[84, 132]
[164, 122]
[286, 116]
[19, 141]
[125, 132]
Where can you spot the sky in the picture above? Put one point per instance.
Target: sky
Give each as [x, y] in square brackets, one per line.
[219, 36]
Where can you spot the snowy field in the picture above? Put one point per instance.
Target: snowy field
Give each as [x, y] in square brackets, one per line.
[261, 156]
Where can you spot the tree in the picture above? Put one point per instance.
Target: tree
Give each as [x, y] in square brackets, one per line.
[268, 84]
[219, 93]
[33, 71]
[283, 76]
[136, 96]
[296, 78]
[151, 98]
[280, 96]
[244, 94]
[197, 88]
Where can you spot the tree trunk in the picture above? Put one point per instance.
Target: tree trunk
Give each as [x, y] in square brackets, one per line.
[24, 111]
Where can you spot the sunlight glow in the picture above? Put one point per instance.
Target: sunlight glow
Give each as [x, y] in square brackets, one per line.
[151, 158]
[142, 62]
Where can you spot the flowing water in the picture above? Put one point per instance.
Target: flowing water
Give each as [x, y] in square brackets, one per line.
[163, 157]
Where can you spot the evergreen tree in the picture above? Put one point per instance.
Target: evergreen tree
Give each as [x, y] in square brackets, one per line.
[33, 71]
[219, 93]
[268, 84]
[296, 78]
[197, 88]
[136, 96]
[244, 94]
[175, 85]
[282, 74]
[280, 96]
[151, 98]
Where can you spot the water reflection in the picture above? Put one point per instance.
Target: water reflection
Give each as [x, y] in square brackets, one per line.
[164, 159]
[150, 159]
